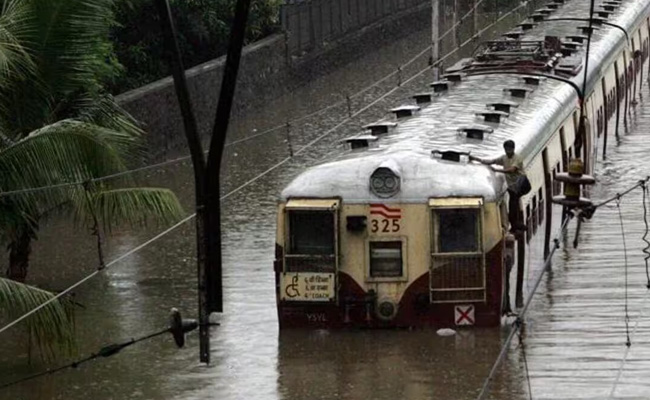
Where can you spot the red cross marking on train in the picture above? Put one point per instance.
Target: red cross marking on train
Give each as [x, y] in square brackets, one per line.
[464, 315]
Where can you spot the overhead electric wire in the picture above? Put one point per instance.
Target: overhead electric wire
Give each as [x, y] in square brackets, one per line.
[105, 351]
[516, 325]
[97, 271]
[259, 134]
[239, 188]
[188, 218]
[628, 343]
[646, 249]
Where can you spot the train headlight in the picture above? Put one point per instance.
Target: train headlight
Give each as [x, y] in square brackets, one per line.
[386, 309]
[384, 182]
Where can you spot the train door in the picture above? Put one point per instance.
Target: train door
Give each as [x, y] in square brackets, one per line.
[618, 96]
[634, 68]
[311, 259]
[589, 134]
[604, 110]
[457, 257]
[548, 193]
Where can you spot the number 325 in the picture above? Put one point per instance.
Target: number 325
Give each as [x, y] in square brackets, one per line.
[385, 225]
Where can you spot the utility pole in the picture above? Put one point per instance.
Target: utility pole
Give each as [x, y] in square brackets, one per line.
[435, 38]
[206, 172]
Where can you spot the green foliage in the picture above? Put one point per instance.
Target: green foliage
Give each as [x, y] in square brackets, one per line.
[132, 206]
[203, 28]
[58, 125]
[51, 329]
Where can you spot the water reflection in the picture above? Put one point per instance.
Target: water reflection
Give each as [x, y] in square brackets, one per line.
[574, 337]
[386, 364]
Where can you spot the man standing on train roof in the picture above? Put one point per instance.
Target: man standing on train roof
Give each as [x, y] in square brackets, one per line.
[518, 184]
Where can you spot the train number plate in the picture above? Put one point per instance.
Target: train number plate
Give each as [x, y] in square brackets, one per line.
[385, 219]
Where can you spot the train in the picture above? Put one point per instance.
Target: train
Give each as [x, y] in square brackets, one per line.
[402, 229]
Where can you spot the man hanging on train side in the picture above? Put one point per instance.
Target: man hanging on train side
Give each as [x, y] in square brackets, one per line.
[518, 184]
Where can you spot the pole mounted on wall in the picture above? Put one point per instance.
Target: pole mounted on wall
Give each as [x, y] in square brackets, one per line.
[206, 171]
[435, 38]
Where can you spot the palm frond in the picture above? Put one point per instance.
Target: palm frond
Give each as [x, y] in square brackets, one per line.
[60, 23]
[51, 328]
[104, 111]
[132, 206]
[67, 151]
[14, 29]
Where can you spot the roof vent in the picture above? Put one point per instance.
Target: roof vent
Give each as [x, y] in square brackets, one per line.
[586, 28]
[532, 80]
[544, 11]
[492, 116]
[609, 7]
[577, 38]
[423, 97]
[537, 17]
[526, 26]
[453, 77]
[404, 111]
[552, 6]
[604, 13]
[571, 67]
[504, 106]
[359, 142]
[567, 52]
[439, 86]
[449, 155]
[380, 127]
[558, 1]
[571, 45]
[475, 132]
[518, 92]
[513, 34]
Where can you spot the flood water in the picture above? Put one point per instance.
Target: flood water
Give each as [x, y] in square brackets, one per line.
[574, 337]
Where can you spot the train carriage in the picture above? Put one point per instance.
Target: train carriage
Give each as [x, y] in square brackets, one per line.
[403, 230]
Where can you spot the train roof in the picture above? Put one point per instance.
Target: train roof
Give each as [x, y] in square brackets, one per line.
[445, 123]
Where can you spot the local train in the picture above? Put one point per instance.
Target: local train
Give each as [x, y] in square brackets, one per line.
[403, 230]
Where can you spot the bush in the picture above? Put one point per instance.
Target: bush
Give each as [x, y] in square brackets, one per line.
[203, 30]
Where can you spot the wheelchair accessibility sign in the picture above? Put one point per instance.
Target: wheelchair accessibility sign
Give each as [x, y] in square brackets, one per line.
[306, 286]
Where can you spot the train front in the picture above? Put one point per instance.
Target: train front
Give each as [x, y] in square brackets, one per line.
[407, 241]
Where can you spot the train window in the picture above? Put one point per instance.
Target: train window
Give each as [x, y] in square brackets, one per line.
[541, 206]
[533, 217]
[385, 259]
[458, 231]
[529, 225]
[557, 185]
[311, 232]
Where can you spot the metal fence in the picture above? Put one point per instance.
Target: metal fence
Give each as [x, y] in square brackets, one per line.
[310, 24]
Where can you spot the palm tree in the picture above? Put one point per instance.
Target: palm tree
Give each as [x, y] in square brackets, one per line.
[57, 125]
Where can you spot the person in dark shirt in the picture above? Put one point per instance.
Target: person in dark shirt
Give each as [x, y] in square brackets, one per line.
[513, 167]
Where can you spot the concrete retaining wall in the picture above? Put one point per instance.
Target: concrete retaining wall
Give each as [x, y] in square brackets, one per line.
[267, 71]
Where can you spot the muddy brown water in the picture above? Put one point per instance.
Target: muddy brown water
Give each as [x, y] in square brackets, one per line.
[574, 337]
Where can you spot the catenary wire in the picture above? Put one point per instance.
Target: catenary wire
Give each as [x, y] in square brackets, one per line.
[244, 185]
[278, 127]
[516, 325]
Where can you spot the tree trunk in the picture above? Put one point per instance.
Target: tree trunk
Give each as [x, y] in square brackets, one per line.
[19, 252]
